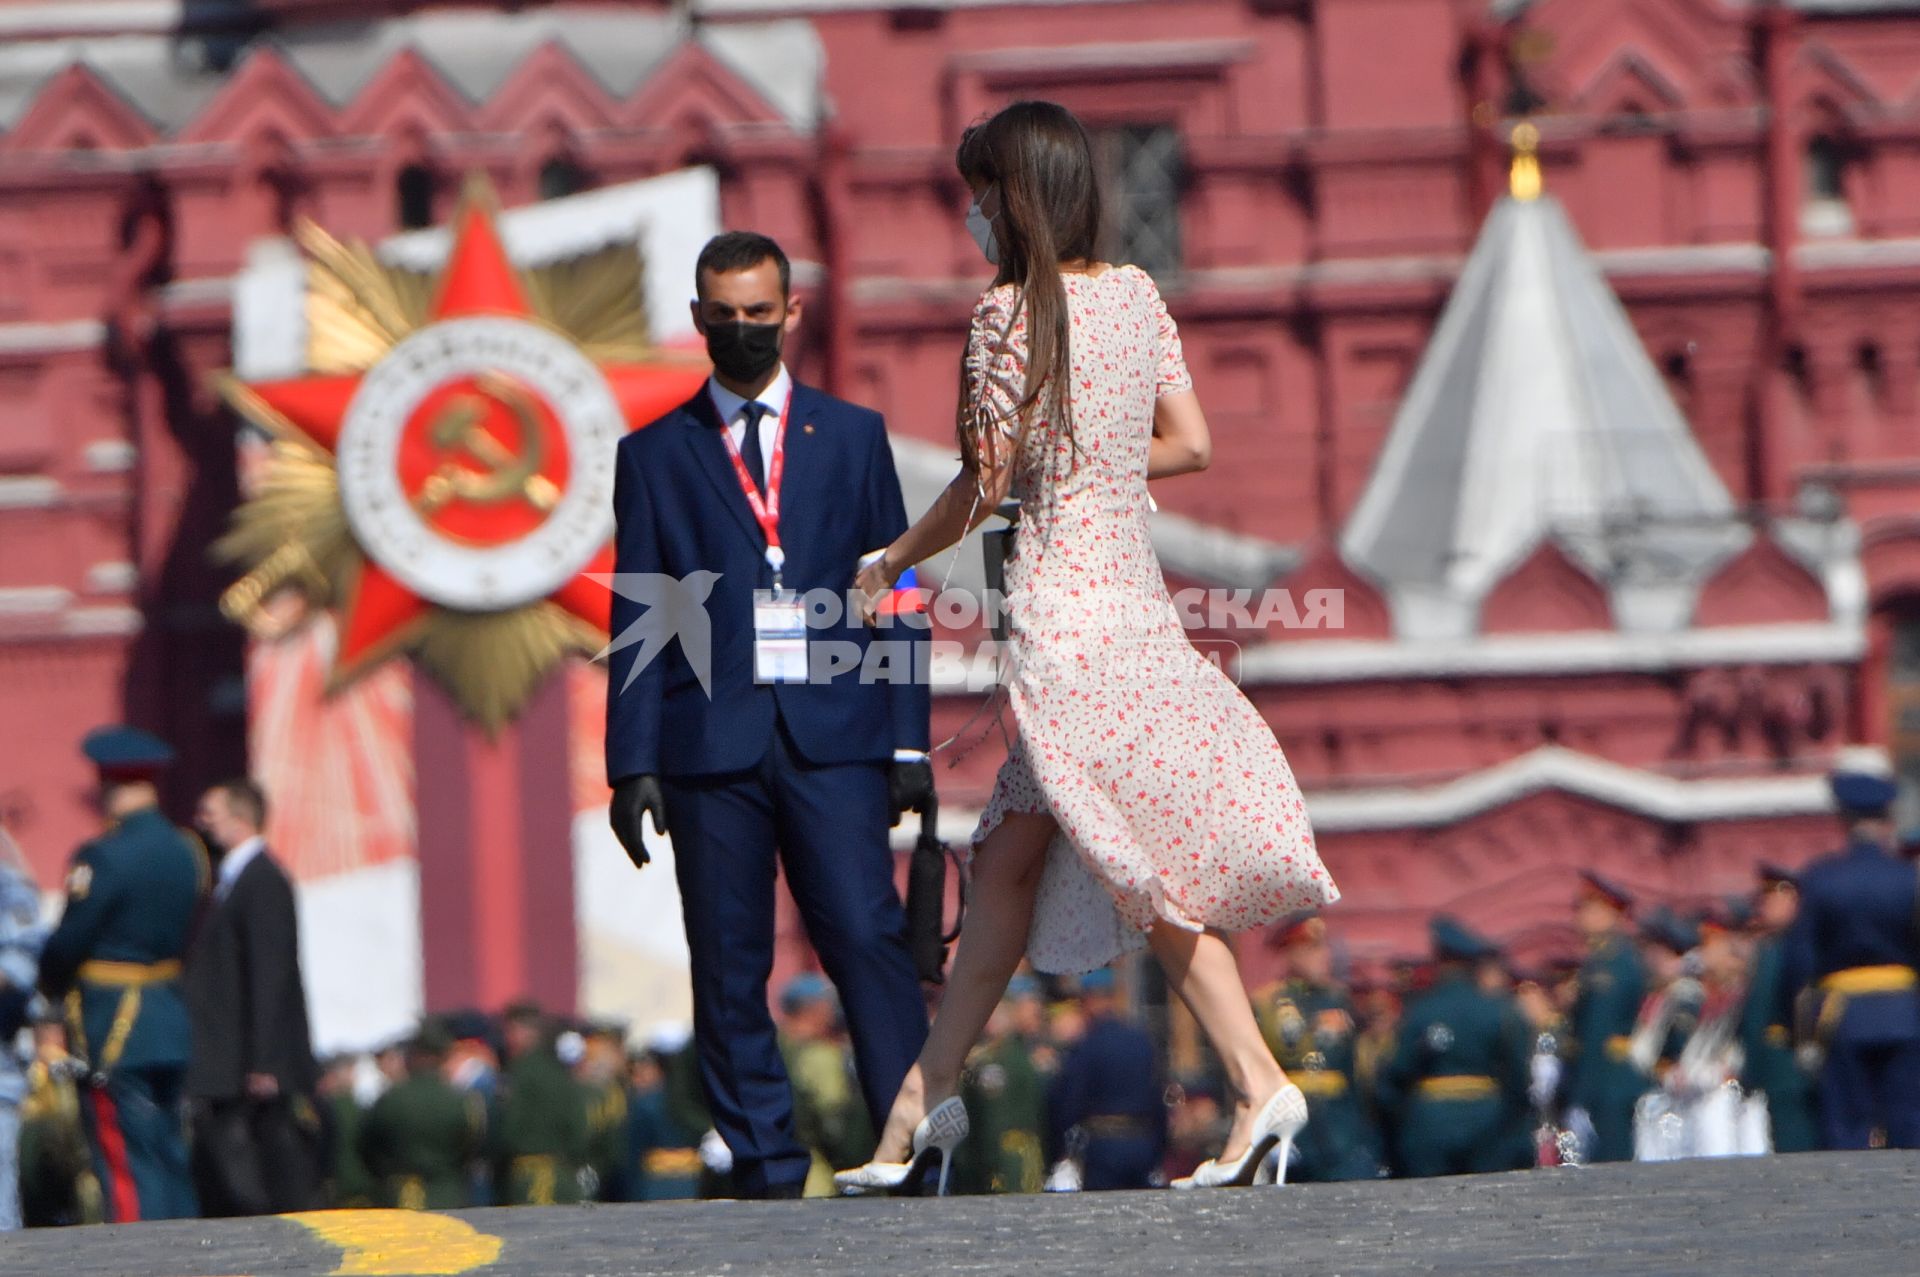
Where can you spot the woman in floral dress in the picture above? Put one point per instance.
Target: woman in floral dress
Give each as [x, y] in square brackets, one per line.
[1144, 801]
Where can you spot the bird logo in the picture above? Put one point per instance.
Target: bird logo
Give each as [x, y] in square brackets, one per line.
[675, 608]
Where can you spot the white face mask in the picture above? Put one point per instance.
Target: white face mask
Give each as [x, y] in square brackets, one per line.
[981, 229]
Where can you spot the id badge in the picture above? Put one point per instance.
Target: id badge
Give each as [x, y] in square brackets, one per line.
[779, 637]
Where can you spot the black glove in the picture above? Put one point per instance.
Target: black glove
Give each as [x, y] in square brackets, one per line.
[635, 798]
[909, 785]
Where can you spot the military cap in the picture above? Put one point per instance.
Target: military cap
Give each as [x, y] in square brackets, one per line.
[803, 990]
[524, 1012]
[1669, 930]
[1773, 874]
[1453, 940]
[126, 753]
[1023, 986]
[1862, 781]
[433, 1038]
[1733, 914]
[469, 1026]
[1595, 887]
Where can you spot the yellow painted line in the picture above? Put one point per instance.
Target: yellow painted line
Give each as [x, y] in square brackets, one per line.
[400, 1243]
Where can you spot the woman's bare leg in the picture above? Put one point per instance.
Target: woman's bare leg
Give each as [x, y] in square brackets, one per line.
[1006, 875]
[1202, 970]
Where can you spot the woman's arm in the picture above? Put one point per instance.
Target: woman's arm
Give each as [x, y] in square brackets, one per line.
[1181, 444]
[959, 509]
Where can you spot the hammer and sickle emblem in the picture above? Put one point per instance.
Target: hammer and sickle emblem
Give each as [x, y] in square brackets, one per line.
[508, 475]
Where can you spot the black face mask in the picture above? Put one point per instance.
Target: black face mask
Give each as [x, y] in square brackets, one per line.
[744, 352]
[215, 848]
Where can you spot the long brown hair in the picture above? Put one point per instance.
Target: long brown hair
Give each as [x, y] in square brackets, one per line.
[1038, 156]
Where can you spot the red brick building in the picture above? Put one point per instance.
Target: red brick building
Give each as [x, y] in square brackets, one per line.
[1305, 177]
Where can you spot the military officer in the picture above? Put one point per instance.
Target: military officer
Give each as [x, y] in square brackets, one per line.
[1107, 1097]
[1457, 1081]
[1601, 1080]
[542, 1141]
[663, 1157]
[422, 1134]
[1309, 1025]
[1006, 1098]
[115, 958]
[1852, 950]
[1765, 1033]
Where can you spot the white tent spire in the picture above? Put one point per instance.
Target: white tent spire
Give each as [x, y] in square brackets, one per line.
[1535, 413]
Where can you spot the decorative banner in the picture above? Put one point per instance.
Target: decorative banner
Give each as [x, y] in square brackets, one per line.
[442, 475]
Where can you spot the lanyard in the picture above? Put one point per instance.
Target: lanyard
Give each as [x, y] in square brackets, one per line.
[766, 512]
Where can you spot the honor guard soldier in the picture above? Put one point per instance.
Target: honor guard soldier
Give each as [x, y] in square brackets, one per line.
[1109, 1091]
[423, 1134]
[1457, 1081]
[132, 895]
[1006, 1098]
[1766, 1035]
[1852, 953]
[1602, 1082]
[541, 1139]
[1309, 1025]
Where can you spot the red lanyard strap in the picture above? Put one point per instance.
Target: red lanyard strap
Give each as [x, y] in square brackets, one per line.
[765, 512]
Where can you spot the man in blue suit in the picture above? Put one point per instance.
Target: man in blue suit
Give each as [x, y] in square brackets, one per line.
[759, 483]
[1853, 954]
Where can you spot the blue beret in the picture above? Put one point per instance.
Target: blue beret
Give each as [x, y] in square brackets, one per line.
[1772, 873]
[1023, 986]
[1100, 981]
[805, 988]
[122, 752]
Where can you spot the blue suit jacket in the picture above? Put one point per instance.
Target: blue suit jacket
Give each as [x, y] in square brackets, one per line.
[680, 510]
[1857, 910]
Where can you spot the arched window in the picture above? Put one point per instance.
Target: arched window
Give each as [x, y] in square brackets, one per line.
[413, 192]
[562, 176]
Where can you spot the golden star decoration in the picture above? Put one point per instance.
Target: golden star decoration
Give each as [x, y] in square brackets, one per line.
[442, 474]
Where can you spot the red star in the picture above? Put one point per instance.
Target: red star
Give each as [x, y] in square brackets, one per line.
[380, 613]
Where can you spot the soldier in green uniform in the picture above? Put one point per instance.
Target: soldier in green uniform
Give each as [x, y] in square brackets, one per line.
[829, 1118]
[1006, 1098]
[602, 1075]
[541, 1136]
[350, 1185]
[1770, 1067]
[1457, 1082]
[422, 1133]
[1601, 1081]
[1309, 1025]
[132, 895]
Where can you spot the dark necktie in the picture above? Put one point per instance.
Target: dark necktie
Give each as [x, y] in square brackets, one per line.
[752, 411]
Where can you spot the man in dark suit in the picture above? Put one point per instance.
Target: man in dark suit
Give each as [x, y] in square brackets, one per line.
[761, 483]
[252, 1077]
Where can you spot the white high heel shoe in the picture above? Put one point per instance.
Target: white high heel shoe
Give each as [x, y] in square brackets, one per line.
[940, 1131]
[1281, 1119]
